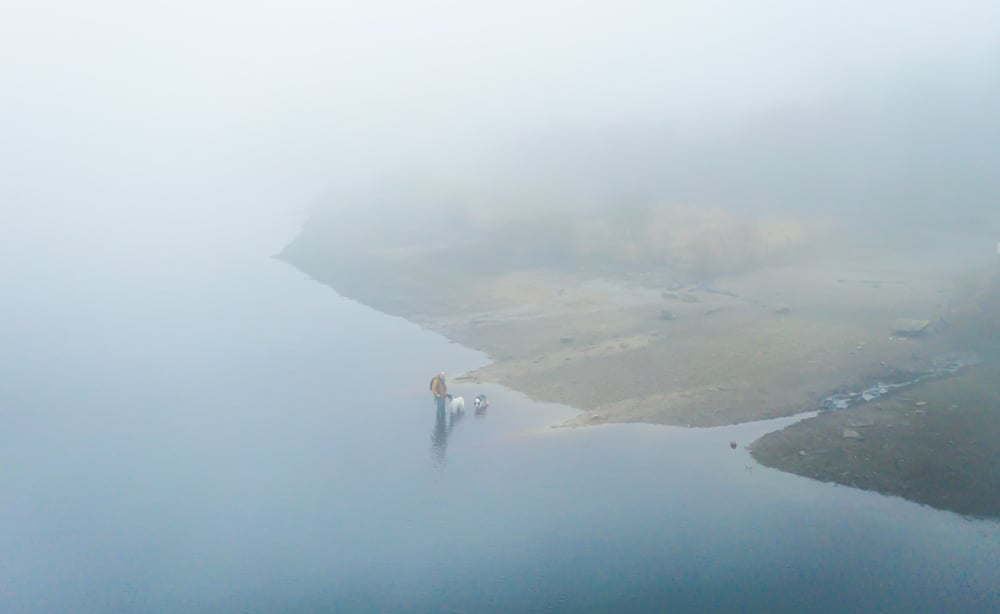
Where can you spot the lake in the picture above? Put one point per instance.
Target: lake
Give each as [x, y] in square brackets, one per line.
[230, 436]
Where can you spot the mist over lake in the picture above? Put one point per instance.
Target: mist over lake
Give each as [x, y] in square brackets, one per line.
[237, 241]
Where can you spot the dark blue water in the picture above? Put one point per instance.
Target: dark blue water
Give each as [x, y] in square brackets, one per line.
[237, 438]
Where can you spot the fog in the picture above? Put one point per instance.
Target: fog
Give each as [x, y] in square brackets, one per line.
[124, 120]
[155, 155]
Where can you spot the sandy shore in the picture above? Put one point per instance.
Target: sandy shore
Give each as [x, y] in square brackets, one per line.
[768, 343]
[776, 341]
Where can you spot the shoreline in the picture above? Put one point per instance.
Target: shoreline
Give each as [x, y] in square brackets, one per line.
[775, 342]
[768, 343]
[933, 444]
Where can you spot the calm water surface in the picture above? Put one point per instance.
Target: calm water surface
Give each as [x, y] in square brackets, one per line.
[242, 439]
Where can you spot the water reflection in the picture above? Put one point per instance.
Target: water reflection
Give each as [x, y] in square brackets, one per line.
[444, 422]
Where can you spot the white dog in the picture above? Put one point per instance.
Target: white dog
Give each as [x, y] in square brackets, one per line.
[457, 404]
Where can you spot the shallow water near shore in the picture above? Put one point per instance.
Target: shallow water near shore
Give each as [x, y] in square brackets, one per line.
[273, 447]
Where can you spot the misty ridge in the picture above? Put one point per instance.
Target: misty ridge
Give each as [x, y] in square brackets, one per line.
[888, 164]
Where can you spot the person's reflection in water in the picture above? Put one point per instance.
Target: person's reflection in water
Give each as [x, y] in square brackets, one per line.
[439, 437]
[443, 424]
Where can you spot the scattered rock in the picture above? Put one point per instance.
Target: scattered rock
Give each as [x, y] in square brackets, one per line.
[861, 422]
[852, 434]
[666, 314]
[904, 327]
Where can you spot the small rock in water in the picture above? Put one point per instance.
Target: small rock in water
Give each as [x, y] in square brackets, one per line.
[920, 403]
[851, 434]
[732, 444]
[905, 327]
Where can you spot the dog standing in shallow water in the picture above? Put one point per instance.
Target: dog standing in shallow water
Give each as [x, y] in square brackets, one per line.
[480, 403]
[456, 404]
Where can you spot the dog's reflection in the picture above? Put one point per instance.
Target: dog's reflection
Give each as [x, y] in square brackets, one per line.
[445, 420]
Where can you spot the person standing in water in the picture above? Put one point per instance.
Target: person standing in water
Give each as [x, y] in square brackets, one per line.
[440, 389]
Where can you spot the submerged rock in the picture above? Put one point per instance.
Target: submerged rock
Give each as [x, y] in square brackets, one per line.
[851, 434]
[904, 327]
